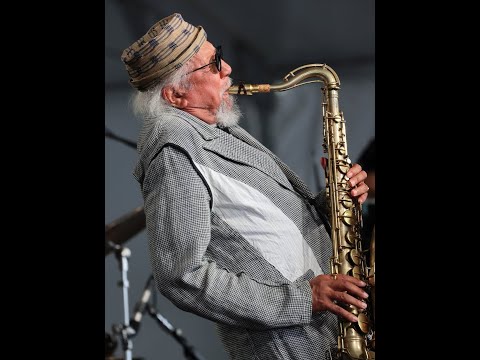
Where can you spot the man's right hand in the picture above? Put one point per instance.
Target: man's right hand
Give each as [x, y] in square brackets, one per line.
[328, 290]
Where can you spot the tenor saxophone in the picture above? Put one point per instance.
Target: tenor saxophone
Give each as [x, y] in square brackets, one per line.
[355, 340]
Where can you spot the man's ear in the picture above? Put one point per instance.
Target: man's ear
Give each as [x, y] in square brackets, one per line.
[174, 96]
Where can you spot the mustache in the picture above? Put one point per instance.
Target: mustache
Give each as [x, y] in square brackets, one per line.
[228, 84]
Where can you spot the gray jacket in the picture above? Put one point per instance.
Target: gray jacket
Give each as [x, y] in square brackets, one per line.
[204, 264]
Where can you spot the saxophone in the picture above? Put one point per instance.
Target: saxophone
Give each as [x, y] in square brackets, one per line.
[355, 340]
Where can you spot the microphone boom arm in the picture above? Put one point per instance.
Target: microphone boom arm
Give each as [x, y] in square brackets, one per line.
[190, 352]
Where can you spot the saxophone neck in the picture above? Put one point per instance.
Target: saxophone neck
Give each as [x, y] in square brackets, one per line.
[248, 89]
[297, 77]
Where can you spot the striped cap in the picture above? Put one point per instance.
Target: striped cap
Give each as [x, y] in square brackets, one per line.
[168, 45]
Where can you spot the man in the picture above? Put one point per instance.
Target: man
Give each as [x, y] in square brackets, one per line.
[234, 235]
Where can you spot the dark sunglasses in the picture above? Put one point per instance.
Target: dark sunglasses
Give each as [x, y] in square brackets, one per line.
[217, 61]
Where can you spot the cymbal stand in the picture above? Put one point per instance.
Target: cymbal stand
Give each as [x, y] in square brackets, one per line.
[190, 352]
[125, 331]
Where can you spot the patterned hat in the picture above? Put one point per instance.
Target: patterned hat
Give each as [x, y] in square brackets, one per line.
[168, 45]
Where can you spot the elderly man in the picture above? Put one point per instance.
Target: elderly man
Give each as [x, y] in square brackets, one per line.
[234, 235]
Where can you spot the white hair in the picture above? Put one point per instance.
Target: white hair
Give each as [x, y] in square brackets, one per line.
[147, 105]
[228, 115]
[150, 103]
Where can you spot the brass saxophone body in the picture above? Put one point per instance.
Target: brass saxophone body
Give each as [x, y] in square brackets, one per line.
[355, 340]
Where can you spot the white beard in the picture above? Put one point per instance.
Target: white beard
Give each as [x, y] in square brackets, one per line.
[228, 113]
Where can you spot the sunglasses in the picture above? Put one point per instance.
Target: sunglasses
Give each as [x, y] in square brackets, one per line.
[217, 61]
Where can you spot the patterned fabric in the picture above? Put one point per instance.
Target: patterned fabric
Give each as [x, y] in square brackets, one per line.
[261, 223]
[205, 263]
[166, 46]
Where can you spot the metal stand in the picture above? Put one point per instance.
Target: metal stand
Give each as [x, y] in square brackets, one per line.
[131, 327]
[125, 332]
[189, 350]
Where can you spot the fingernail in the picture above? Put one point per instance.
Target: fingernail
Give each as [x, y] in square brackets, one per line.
[353, 319]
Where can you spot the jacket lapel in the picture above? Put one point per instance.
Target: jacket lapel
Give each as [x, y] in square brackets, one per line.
[293, 178]
[244, 153]
[249, 151]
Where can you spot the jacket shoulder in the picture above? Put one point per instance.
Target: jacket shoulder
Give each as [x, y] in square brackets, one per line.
[165, 131]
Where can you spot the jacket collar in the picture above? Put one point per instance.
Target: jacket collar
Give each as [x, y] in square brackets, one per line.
[217, 141]
[207, 131]
[240, 151]
[264, 160]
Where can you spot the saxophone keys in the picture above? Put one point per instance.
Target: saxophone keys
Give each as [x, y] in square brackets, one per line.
[356, 272]
[363, 323]
[346, 202]
[355, 257]
[348, 217]
[351, 236]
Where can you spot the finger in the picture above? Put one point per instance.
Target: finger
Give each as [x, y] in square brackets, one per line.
[363, 198]
[350, 279]
[338, 310]
[361, 188]
[355, 169]
[357, 178]
[351, 290]
[323, 162]
[348, 299]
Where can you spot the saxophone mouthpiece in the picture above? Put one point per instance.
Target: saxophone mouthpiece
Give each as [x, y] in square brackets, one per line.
[248, 89]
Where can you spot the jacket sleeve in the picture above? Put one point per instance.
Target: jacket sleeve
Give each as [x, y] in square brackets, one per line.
[178, 218]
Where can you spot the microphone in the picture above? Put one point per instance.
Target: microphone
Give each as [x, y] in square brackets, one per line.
[193, 107]
[140, 307]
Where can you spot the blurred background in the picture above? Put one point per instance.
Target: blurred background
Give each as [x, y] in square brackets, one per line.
[262, 41]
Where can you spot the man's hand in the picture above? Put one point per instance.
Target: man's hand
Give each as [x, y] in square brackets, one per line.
[356, 180]
[328, 290]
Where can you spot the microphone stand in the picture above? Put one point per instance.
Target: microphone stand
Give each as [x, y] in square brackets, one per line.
[124, 331]
[189, 350]
[124, 228]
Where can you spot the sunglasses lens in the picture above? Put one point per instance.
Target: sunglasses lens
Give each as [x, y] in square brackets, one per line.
[218, 58]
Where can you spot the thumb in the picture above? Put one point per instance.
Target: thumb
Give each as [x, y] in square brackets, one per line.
[323, 162]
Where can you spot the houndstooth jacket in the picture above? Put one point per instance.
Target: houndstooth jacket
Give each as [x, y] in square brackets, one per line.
[204, 261]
